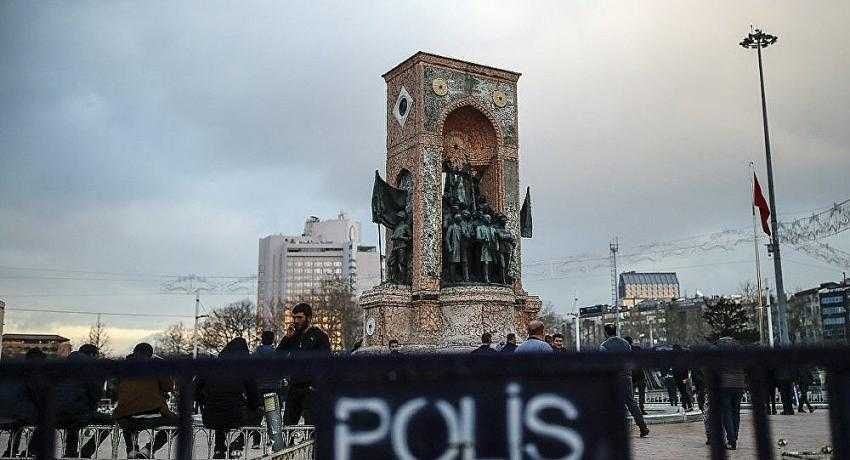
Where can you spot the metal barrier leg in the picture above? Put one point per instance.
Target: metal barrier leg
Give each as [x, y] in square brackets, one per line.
[116, 441]
[761, 422]
[184, 432]
[839, 412]
[44, 436]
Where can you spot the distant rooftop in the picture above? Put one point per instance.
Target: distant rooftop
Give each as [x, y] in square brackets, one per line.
[52, 337]
[649, 278]
[459, 64]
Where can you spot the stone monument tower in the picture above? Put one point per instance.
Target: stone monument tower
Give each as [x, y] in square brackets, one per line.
[452, 206]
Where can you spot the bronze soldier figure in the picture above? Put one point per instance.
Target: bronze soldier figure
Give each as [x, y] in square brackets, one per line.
[486, 235]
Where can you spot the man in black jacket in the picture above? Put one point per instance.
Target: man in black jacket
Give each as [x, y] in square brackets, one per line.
[21, 405]
[301, 338]
[76, 406]
[486, 340]
[638, 379]
[614, 344]
[510, 344]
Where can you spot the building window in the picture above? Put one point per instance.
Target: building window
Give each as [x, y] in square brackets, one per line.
[832, 321]
[833, 310]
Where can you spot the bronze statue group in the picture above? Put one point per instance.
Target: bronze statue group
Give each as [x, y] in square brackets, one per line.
[478, 246]
[478, 243]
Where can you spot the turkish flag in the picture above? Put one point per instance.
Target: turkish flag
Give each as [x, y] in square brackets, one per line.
[761, 203]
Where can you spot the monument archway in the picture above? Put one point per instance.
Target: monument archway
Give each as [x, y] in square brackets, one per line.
[470, 143]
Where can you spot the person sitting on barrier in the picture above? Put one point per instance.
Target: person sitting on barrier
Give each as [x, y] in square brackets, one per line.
[301, 337]
[535, 342]
[76, 406]
[510, 343]
[486, 342]
[229, 403]
[267, 384]
[21, 402]
[614, 344]
[142, 405]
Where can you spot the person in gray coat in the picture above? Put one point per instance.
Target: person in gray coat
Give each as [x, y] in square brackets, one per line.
[615, 344]
[733, 382]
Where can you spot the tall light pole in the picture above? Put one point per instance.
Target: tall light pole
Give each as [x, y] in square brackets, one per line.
[576, 318]
[757, 40]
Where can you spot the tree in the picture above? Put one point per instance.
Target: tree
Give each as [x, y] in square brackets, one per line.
[727, 318]
[336, 311]
[552, 320]
[684, 322]
[748, 289]
[174, 342]
[238, 319]
[99, 337]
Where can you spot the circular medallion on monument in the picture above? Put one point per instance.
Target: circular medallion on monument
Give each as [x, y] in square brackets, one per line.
[440, 87]
[500, 99]
[370, 326]
[455, 150]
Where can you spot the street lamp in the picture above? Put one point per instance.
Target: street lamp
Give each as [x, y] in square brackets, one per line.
[758, 40]
[575, 318]
[195, 329]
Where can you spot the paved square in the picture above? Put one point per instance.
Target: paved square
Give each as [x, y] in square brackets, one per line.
[677, 441]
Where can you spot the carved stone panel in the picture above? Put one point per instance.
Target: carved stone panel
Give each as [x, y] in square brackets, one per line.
[512, 207]
[396, 131]
[462, 85]
[431, 212]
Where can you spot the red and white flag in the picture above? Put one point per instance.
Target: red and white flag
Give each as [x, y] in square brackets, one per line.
[761, 203]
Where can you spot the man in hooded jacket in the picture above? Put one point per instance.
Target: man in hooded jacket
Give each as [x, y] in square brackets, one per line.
[229, 402]
[301, 338]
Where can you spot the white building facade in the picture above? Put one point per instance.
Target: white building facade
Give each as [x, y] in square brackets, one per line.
[292, 267]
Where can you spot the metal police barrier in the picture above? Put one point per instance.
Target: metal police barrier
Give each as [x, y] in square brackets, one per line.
[456, 415]
[503, 406]
[274, 420]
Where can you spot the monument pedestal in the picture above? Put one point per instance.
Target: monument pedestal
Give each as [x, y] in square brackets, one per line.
[450, 320]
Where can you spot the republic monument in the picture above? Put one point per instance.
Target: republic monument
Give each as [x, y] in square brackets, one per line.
[451, 208]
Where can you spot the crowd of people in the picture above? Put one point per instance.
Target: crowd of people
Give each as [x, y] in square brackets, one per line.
[685, 387]
[226, 403]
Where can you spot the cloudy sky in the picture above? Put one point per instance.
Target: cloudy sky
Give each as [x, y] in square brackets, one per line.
[140, 140]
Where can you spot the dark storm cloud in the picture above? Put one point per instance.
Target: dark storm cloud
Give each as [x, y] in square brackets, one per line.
[165, 137]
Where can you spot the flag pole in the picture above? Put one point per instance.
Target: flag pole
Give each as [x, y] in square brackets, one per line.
[380, 254]
[758, 268]
[756, 250]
